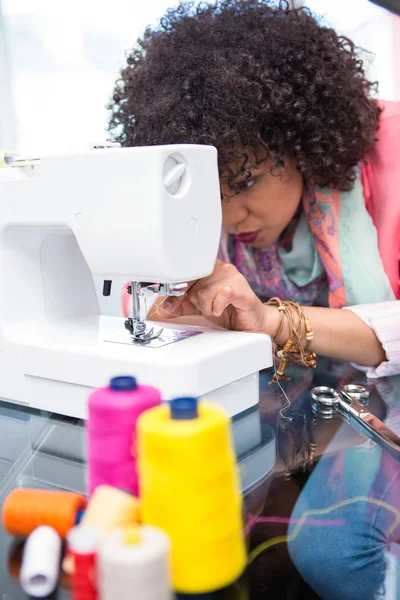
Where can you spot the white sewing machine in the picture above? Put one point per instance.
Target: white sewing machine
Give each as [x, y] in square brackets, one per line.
[146, 214]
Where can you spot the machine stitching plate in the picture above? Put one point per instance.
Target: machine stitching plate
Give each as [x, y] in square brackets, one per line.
[166, 337]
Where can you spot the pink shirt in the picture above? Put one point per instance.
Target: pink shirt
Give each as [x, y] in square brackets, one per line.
[381, 183]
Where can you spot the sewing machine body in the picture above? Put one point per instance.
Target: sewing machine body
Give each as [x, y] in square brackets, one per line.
[145, 214]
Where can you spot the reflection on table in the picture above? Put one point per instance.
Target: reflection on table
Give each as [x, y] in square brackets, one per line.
[321, 502]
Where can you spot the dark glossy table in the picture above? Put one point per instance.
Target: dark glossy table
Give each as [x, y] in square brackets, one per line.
[322, 502]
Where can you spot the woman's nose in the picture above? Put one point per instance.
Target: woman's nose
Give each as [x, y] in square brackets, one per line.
[233, 214]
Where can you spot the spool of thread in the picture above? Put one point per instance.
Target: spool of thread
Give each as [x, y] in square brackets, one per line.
[83, 544]
[26, 509]
[111, 432]
[110, 509]
[190, 489]
[14, 561]
[134, 563]
[41, 562]
[107, 510]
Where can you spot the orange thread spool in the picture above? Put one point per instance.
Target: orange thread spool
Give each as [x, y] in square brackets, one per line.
[26, 509]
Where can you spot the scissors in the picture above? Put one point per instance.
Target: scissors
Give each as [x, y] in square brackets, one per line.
[351, 403]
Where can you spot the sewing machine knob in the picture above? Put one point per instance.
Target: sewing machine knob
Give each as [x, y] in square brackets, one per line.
[173, 175]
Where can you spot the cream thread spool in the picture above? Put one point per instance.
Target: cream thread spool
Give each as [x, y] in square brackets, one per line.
[135, 562]
[41, 562]
[108, 509]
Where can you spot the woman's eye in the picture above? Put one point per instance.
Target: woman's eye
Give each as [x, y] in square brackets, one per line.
[247, 183]
[250, 182]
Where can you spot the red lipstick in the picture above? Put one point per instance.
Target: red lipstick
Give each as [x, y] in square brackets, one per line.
[246, 238]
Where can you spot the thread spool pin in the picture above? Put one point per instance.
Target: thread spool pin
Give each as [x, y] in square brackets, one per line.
[184, 409]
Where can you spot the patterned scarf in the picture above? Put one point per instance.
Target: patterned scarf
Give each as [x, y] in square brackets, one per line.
[346, 243]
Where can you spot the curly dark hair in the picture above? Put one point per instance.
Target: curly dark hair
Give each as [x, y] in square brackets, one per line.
[256, 80]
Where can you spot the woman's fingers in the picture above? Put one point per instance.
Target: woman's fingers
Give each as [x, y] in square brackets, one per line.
[172, 305]
[199, 300]
[202, 297]
[187, 309]
[183, 308]
[222, 271]
[240, 296]
[211, 295]
[222, 300]
[214, 298]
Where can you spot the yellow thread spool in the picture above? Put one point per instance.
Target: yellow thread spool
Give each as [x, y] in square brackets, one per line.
[190, 489]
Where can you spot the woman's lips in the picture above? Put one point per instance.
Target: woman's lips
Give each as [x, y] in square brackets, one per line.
[246, 238]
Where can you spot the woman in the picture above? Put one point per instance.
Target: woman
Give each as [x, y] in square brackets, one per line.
[310, 214]
[309, 203]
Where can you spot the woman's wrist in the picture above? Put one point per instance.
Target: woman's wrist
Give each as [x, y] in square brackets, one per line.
[271, 321]
[338, 334]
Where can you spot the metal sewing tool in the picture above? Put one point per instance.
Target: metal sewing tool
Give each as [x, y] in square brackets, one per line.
[351, 404]
[140, 291]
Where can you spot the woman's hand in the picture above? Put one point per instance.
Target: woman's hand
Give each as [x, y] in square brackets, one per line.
[224, 297]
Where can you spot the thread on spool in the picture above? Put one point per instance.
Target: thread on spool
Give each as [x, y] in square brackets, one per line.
[40, 562]
[193, 462]
[132, 536]
[135, 560]
[108, 509]
[26, 509]
[83, 542]
[111, 432]
[14, 561]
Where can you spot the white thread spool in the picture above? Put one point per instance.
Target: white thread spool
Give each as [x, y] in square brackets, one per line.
[41, 562]
[135, 561]
[83, 539]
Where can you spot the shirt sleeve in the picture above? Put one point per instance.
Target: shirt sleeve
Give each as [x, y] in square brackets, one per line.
[384, 319]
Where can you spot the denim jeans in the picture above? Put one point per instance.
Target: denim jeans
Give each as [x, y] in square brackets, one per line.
[355, 557]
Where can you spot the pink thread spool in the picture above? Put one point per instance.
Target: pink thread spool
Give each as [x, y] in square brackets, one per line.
[111, 432]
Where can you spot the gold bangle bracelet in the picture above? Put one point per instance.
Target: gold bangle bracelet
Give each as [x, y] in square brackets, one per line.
[296, 348]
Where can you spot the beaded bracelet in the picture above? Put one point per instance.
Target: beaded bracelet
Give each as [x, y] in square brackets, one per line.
[294, 350]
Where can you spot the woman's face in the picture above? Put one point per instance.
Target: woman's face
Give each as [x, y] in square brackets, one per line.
[262, 211]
